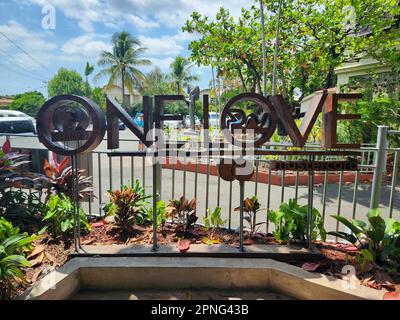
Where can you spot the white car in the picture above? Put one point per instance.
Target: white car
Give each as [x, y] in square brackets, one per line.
[172, 124]
[12, 121]
[213, 119]
[197, 122]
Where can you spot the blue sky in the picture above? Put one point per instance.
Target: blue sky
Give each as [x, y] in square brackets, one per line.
[84, 28]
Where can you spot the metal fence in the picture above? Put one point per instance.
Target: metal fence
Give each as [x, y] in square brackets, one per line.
[351, 199]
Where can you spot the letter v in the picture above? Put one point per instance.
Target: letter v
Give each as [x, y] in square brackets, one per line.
[298, 136]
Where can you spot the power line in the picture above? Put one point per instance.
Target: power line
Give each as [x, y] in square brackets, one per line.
[19, 65]
[21, 73]
[22, 50]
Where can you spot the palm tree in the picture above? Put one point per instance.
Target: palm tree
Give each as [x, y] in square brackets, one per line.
[157, 82]
[88, 71]
[181, 73]
[120, 64]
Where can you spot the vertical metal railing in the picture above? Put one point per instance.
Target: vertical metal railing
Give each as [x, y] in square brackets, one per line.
[346, 201]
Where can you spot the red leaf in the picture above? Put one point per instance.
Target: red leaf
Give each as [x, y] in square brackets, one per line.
[62, 165]
[310, 266]
[393, 295]
[54, 158]
[97, 224]
[183, 245]
[6, 146]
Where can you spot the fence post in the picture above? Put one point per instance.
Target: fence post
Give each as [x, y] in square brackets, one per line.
[380, 166]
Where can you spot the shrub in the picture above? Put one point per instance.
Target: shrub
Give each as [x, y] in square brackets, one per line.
[59, 217]
[161, 214]
[250, 208]
[291, 222]
[61, 180]
[13, 245]
[213, 219]
[23, 209]
[183, 210]
[11, 164]
[128, 206]
[28, 102]
[378, 240]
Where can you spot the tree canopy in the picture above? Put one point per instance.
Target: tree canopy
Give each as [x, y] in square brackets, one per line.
[316, 36]
[120, 65]
[66, 82]
[28, 102]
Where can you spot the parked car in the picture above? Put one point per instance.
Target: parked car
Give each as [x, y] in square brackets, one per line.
[197, 122]
[213, 119]
[13, 125]
[173, 124]
[13, 122]
[121, 125]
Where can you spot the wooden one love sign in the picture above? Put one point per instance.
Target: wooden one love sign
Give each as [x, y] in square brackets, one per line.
[231, 118]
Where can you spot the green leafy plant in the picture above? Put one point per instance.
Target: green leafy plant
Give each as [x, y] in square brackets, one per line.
[378, 240]
[23, 209]
[161, 214]
[213, 221]
[182, 211]
[291, 222]
[128, 206]
[251, 207]
[59, 217]
[13, 246]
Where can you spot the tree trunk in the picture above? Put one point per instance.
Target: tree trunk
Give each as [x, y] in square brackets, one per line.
[329, 78]
[242, 79]
[123, 87]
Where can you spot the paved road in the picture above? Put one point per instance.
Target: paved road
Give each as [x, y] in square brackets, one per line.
[332, 205]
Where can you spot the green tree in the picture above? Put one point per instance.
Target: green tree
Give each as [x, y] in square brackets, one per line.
[315, 37]
[157, 82]
[181, 73]
[230, 46]
[66, 82]
[120, 65]
[28, 102]
[99, 97]
[88, 71]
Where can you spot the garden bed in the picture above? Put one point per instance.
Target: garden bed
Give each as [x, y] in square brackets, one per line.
[49, 254]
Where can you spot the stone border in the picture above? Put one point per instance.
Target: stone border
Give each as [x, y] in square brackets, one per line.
[165, 272]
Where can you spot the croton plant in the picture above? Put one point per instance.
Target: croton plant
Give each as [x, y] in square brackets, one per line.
[61, 179]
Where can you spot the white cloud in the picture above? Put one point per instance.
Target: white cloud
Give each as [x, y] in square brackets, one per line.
[87, 46]
[164, 45]
[143, 14]
[162, 63]
[173, 13]
[35, 43]
[85, 12]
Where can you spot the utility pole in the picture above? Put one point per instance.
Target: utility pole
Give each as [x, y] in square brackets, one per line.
[275, 67]
[263, 49]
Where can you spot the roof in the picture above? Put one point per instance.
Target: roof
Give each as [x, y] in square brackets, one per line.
[5, 101]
